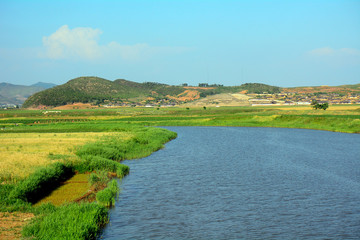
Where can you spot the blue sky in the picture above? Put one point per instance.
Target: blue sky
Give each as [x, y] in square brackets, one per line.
[282, 43]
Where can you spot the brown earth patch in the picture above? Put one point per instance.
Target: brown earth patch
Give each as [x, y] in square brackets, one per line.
[204, 88]
[76, 106]
[188, 95]
[223, 99]
[11, 224]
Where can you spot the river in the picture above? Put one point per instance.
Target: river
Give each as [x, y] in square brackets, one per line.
[242, 183]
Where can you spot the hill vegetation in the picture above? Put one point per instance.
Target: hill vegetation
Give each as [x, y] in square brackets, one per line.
[97, 90]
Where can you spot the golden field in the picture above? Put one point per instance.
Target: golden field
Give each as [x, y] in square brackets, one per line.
[22, 153]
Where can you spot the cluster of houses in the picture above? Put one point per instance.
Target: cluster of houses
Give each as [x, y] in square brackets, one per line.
[9, 106]
[303, 99]
[283, 98]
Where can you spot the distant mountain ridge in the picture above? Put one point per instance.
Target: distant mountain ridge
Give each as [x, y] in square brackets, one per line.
[97, 90]
[43, 85]
[17, 94]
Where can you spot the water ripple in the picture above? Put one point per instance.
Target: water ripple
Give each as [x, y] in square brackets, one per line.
[243, 183]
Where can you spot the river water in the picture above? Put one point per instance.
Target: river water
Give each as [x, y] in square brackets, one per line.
[243, 183]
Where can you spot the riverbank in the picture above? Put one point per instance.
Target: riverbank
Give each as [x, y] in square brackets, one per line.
[101, 158]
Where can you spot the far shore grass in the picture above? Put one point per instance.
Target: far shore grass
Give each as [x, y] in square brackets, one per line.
[338, 118]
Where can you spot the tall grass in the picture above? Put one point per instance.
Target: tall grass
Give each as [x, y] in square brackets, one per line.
[72, 221]
[92, 162]
[144, 142]
[107, 196]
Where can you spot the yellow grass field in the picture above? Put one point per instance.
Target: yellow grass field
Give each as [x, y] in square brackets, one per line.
[22, 153]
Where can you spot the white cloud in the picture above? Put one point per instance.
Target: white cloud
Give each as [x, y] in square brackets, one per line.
[327, 51]
[67, 43]
[334, 57]
[82, 43]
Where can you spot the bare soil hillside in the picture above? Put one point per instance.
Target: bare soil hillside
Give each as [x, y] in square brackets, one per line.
[223, 99]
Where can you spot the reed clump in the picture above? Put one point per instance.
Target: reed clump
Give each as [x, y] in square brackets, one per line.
[107, 196]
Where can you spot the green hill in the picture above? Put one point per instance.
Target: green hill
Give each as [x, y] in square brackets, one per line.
[97, 90]
[248, 87]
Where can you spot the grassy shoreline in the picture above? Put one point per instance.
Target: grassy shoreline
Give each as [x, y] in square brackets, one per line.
[101, 158]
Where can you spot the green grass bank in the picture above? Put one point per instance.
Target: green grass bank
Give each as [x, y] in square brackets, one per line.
[79, 220]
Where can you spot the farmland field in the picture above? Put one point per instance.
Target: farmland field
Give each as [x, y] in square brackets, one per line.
[22, 153]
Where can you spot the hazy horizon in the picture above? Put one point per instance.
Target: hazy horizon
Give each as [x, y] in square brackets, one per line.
[280, 43]
[190, 85]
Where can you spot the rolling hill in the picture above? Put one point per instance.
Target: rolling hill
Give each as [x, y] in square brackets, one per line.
[97, 90]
